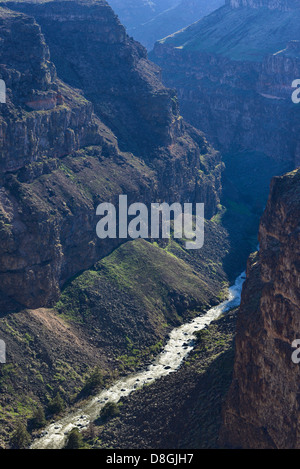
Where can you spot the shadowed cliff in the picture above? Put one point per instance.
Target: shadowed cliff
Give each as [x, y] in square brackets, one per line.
[262, 408]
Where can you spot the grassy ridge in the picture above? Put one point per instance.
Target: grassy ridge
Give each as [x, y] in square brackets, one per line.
[136, 293]
[115, 316]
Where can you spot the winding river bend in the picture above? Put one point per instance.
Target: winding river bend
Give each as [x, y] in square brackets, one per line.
[180, 344]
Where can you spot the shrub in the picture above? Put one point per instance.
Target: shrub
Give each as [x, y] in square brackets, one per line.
[38, 419]
[93, 383]
[56, 405]
[20, 438]
[109, 411]
[75, 440]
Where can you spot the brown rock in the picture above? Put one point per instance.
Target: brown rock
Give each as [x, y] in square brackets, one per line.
[262, 409]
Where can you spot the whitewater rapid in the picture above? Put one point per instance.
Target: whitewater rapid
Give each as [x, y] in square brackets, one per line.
[179, 345]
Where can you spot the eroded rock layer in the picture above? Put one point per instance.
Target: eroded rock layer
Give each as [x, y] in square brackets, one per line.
[262, 409]
[233, 71]
[60, 153]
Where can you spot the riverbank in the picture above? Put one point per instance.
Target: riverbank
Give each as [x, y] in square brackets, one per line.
[182, 410]
[181, 343]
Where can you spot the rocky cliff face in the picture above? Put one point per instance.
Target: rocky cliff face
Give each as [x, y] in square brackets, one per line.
[262, 409]
[64, 120]
[238, 92]
[92, 52]
[59, 159]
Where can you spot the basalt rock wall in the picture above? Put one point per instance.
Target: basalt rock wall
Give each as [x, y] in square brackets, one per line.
[262, 408]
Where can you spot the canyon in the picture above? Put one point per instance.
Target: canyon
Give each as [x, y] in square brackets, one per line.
[240, 96]
[85, 121]
[69, 142]
[88, 117]
[148, 22]
[233, 71]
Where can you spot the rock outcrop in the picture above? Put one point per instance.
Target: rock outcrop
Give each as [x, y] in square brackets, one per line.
[65, 122]
[92, 52]
[262, 409]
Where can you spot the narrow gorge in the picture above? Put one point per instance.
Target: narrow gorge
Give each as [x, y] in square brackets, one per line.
[143, 343]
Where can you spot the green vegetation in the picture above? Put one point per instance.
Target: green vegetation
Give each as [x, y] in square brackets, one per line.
[134, 294]
[109, 411]
[161, 272]
[136, 357]
[75, 440]
[217, 218]
[20, 438]
[38, 419]
[93, 383]
[56, 405]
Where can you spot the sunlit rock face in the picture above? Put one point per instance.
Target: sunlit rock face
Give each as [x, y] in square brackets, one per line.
[32, 85]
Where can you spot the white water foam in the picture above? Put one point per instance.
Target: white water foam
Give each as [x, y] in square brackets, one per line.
[180, 344]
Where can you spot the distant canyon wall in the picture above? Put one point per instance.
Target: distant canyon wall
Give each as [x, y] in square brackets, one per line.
[283, 5]
[239, 105]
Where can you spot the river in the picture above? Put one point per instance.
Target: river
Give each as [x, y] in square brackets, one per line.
[179, 345]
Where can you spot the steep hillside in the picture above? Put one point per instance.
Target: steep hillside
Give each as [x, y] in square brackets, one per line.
[47, 198]
[148, 29]
[135, 12]
[244, 34]
[262, 409]
[114, 317]
[109, 128]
